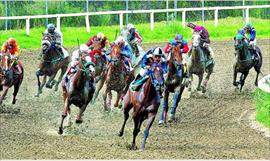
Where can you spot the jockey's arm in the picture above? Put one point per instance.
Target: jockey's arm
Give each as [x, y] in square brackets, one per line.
[168, 48]
[184, 48]
[90, 41]
[252, 35]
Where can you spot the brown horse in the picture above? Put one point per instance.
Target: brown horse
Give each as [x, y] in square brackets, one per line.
[117, 78]
[79, 91]
[145, 103]
[173, 83]
[9, 78]
[52, 61]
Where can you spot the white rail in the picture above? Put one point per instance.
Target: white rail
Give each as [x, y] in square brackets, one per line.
[122, 12]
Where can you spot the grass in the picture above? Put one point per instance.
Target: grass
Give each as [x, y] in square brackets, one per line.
[162, 32]
[262, 100]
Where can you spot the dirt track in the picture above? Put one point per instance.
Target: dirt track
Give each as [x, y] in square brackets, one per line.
[216, 127]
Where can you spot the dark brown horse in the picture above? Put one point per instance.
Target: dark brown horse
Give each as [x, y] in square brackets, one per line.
[173, 83]
[117, 78]
[52, 61]
[145, 103]
[244, 61]
[79, 91]
[8, 77]
[100, 68]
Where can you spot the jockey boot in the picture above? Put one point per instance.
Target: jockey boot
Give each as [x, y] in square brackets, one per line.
[210, 52]
[19, 70]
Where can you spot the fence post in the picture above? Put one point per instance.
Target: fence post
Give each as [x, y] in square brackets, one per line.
[152, 21]
[28, 26]
[58, 23]
[216, 17]
[184, 19]
[87, 24]
[121, 20]
[247, 15]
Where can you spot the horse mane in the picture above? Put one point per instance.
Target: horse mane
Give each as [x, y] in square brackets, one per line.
[78, 76]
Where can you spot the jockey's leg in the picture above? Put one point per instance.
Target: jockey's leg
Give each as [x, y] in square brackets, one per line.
[210, 50]
[18, 67]
[255, 53]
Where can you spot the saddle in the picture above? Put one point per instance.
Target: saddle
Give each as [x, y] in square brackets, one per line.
[137, 84]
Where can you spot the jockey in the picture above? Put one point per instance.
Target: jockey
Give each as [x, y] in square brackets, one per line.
[134, 38]
[99, 38]
[204, 37]
[153, 55]
[76, 57]
[126, 52]
[250, 30]
[11, 47]
[57, 38]
[178, 40]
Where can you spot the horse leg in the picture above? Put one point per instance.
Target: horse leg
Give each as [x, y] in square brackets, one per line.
[190, 82]
[59, 79]
[116, 104]
[257, 68]
[206, 79]
[39, 73]
[79, 117]
[136, 120]
[200, 82]
[16, 89]
[107, 101]
[127, 107]
[49, 83]
[242, 80]
[2, 97]
[65, 112]
[163, 115]
[234, 77]
[100, 85]
[176, 99]
[150, 120]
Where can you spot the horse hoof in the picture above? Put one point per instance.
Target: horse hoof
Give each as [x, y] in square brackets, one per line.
[161, 123]
[48, 86]
[78, 121]
[203, 89]
[133, 147]
[120, 134]
[199, 89]
[60, 131]
[14, 101]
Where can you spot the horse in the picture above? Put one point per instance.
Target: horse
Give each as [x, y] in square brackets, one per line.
[145, 104]
[117, 78]
[100, 69]
[52, 61]
[137, 55]
[173, 84]
[244, 62]
[79, 91]
[9, 78]
[200, 63]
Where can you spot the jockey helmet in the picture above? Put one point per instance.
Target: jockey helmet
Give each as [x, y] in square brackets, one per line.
[157, 51]
[100, 35]
[50, 28]
[11, 42]
[191, 25]
[120, 39]
[248, 25]
[130, 26]
[178, 38]
[84, 48]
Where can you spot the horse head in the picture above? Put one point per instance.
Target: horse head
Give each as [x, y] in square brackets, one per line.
[7, 63]
[115, 54]
[176, 55]
[240, 46]
[46, 42]
[156, 75]
[196, 40]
